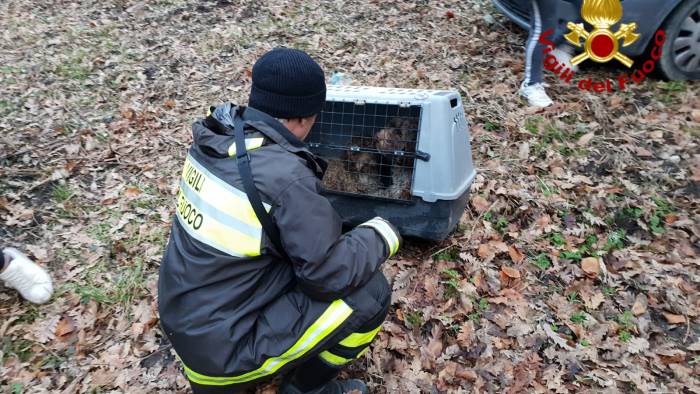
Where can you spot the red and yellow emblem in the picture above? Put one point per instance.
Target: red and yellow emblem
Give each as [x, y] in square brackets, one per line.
[602, 44]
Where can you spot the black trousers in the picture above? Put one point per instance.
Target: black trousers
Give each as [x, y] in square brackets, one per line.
[326, 360]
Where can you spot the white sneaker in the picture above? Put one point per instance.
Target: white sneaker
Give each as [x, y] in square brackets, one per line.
[536, 95]
[25, 276]
[564, 54]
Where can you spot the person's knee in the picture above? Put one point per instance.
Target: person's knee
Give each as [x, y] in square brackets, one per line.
[378, 287]
[377, 294]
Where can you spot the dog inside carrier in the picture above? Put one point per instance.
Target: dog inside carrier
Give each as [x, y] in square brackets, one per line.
[381, 145]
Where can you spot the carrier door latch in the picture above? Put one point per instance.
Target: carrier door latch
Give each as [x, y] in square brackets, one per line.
[422, 155]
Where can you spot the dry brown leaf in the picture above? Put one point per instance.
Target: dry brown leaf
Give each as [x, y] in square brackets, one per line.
[674, 319]
[591, 266]
[65, 326]
[510, 272]
[484, 251]
[480, 204]
[695, 114]
[132, 191]
[44, 331]
[585, 139]
[640, 304]
[524, 151]
[515, 255]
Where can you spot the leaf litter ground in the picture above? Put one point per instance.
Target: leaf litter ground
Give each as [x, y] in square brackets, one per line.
[574, 268]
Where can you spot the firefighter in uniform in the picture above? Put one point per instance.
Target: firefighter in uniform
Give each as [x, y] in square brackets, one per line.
[257, 279]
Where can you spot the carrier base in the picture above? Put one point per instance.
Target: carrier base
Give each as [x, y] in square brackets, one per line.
[415, 218]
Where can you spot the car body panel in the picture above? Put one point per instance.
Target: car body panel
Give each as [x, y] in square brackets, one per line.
[648, 14]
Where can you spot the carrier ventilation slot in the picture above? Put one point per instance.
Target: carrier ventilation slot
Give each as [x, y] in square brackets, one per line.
[370, 148]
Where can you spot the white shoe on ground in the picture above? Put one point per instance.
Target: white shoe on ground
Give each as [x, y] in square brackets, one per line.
[536, 95]
[25, 276]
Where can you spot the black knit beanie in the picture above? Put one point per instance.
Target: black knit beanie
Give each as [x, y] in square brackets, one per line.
[287, 84]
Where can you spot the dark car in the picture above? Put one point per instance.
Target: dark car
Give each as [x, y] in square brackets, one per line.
[680, 20]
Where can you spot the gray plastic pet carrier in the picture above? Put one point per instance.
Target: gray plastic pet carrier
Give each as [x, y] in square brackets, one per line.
[402, 154]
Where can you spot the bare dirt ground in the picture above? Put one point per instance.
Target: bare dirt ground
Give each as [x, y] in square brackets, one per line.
[575, 268]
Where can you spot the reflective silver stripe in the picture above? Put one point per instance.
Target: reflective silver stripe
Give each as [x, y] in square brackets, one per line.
[221, 183]
[205, 208]
[386, 232]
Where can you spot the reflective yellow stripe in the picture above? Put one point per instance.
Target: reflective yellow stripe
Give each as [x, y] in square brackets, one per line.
[250, 144]
[211, 231]
[218, 193]
[337, 360]
[387, 233]
[216, 213]
[359, 339]
[333, 359]
[331, 319]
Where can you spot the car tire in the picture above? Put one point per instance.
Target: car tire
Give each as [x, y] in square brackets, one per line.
[682, 29]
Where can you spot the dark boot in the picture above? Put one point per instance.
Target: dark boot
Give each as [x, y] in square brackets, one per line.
[332, 387]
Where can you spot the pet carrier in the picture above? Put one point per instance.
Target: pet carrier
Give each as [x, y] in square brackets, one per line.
[402, 154]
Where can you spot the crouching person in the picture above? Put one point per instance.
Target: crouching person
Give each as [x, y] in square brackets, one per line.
[257, 279]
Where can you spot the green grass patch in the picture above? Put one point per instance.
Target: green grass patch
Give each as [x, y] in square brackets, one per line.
[532, 124]
[451, 283]
[500, 223]
[631, 213]
[656, 220]
[61, 193]
[609, 291]
[20, 348]
[573, 297]
[492, 126]
[616, 240]
[557, 239]
[481, 305]
[100, 231]
[625, 336]
[449, 254]
[122, 287]
[673, 86]
[578, 317]
[6, 107]
[546, 189]
[74, 67]
[572, 255]
[414, 319]
[541, 260]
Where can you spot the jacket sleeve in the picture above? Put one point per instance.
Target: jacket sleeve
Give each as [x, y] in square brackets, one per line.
[327, 263]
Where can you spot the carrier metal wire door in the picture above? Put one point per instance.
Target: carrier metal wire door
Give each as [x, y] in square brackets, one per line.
[370, 148]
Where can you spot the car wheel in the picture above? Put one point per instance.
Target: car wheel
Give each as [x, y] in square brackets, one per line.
[681, 51]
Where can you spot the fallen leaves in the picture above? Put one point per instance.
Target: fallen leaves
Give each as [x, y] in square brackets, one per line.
[591, 266]
[516, 255]
[65, 326]
[585, 139]
[551, 187]
[510, 272]
[640, 305]
[480, 204]
[674, 319]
